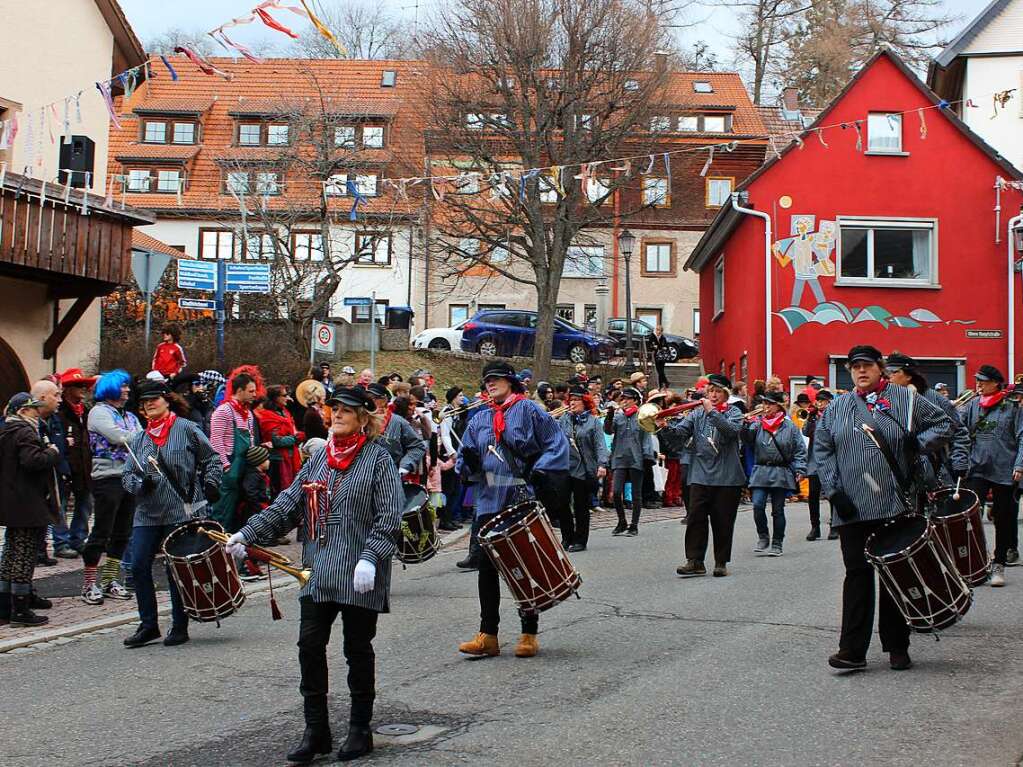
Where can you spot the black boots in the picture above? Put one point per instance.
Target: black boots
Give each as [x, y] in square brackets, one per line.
[177, 635]
[142, 637]
[21, 612]
[315, 741]
[37, 602]
[5, 608]
[358, 743]
[814, 534]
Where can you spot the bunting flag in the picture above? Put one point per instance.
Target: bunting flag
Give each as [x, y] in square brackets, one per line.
[649, 166]
[859, 136]
[204, 66]
[357, 198]
[820, 137]
[437, 189]
[625, 167]
[242, 49]
[923, 125]
[78, 108]
[798, 140]
[85, 193]
[166, 63]
[222, 43]
[322, 29]
[104, 91]
[556, 180]
[269, 21]
[50, 122]
[67, 120]
[584, 178]
[109, 201]
[522, 182]
[710, 159]
[774, 147]
[667, 169]
[30, 146]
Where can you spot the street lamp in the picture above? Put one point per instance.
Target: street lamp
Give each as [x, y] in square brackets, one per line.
[626, 242]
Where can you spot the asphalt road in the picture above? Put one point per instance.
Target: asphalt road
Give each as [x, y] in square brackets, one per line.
[645, 669]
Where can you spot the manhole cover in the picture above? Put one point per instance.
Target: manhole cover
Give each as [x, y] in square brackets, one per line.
[397, 729]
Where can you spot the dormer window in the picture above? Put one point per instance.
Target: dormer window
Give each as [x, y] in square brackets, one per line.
[184, 133]
[660, 123]
[702, 86]
[344, 136]
[715, 124]
[169, 132]
[884, 133]
[632, 85]
[277, 135]
[688, 124]
[373, 136]
[155, 132]
[388, 78]
[250, 134]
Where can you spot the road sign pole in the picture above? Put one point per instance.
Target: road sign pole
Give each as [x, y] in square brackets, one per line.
[149, 303]
[373, 332]
[312, 344]
[221, 278]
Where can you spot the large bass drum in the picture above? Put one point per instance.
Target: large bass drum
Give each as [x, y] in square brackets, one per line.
[529, 557]
[961, 531]
[919, 573]
[205, 573]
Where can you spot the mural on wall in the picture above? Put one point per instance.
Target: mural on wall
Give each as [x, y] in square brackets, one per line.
[809, 250]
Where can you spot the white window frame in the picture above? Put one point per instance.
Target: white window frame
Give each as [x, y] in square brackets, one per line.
[268, 182]
[584, 262]
[459, 308]
[380, 241]
[223, 244]
[264, 242]
[306, 246]
[711, 200]
[885, 222]
[237, 181]
[344, 136]
[667, 251]
[722, 118]
[164, 182]
[565, 309]
[378, 132]
[282, 137]
[702, 86]
[656, 191]
[139, 180]
[689, 124]
[174, 132]
[163, 132]
[884, 121]
[696, 321]
[243, 134]
[719, 286]
[631, 85]
[337, 185]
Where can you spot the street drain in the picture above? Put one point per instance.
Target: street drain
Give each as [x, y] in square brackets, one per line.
[397, 729]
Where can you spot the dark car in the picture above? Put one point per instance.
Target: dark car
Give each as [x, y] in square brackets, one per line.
[511, 332]
[679, 347]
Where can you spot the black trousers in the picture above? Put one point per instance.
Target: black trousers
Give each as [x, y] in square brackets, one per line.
[649, 490]
[1005, 512]
[575, 512]
[814, 500]
[711, 508]
[359, 626]
[489, 586]
[686, 487]
[113, 512]
[662, 377]
[635, 476]
[858, 598]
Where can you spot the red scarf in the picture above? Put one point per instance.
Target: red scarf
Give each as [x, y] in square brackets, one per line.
[499, 414]
[772, 424]
[988, 401]
[160, 429]
[387, 417]
[630, 410]
[78, 408]
[239, 408]
[722, 407]
[341, 451]
[874, 398]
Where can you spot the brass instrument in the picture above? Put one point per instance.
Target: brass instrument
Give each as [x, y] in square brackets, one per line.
[650, 414]
[441, 416]
[755, 412]
[964, 398]
[310, 390]
[272, 558]
[557, 412]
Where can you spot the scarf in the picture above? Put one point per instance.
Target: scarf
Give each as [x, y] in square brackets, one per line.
[160, 429]
[722, 407]
[772, 424]
[630, 411]
[988, 401]
[239, 408]
[387, 417]
[78, 408]
[874, 398]
[579, 418]
[499, 410]
[341, 451]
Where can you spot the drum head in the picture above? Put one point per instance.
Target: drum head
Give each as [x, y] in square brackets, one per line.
[415, 496]
[512, 516]
[898, 535]
[187, 541]
[947, 506]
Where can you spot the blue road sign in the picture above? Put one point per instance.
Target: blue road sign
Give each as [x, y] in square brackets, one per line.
[366, 301]
[205, 304]
[197, 275]
[247, 278]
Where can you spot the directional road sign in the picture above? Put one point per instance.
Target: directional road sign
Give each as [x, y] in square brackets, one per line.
[197, 275]
[247, 278]
[365, 301]
[203, 304]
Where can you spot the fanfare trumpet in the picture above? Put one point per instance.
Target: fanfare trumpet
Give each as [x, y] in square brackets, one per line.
[272, 558]
[964, 398]
[755, 412]
[440, 416]
[557, 412]
[650, 414]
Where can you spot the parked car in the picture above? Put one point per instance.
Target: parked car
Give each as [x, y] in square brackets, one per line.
[440, 339]
[510, 333]
[680, 347]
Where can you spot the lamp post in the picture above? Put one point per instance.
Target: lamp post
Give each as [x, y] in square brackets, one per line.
[626, 242]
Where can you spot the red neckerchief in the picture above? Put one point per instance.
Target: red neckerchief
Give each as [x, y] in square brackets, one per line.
[630, 410]
[78, 408]
[160, 429]
[988, 401]
[499, 413]
[239, 408]
[874, 398]
[722, 407]
[772, 424]
[341, 451]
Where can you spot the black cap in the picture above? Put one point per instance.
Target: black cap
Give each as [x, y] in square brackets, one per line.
[989, 373]
[772, 397]
[451, 393]
[632, 393]
[717, 379]
[578, 391]
[378, 390]
[499, 369]
[153, 390]
[803, 397]
[21, 400]
[865, 353]
[355, 396]
[825, 394]
[900, 361]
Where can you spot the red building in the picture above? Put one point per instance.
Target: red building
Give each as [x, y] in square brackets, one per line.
[888, 225]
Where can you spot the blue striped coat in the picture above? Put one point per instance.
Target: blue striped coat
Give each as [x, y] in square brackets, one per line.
[406, 447]
[362, 523]
[997, 440]
[771, 468]
[714, 455]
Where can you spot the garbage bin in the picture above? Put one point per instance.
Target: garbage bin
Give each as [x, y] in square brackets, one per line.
[398, 317]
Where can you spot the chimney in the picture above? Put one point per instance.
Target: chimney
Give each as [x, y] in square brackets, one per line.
[660, 61]
[790, 99]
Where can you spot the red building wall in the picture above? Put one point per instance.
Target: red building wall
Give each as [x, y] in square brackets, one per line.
[945, 176]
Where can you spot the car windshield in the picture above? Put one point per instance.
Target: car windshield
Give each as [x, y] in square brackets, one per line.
[568, 325]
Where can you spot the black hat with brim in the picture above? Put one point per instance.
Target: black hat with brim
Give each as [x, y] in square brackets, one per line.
[353, 397]
[499, 369]
[989, 373]
[717, 379]
[153, 390]
[578, 391]
[865, 353]
[899, 361]
[772, 397]
[378, 390]
[825, 394]
[632, 393]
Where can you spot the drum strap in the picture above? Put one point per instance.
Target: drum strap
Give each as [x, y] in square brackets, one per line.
[175, 485]
[788, 461]
[886, 449]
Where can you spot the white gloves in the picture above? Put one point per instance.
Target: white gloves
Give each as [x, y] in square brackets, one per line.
[403, 472]
[236, 546]
[365, 575]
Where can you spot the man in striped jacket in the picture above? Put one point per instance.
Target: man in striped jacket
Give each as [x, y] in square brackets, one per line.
[865, 492]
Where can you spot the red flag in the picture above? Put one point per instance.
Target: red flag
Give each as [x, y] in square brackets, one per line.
[269, 20]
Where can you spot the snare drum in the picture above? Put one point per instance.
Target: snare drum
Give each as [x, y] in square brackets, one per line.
[529, 557]
[961, 530]
[417, 536]
[919, 573]
[205, 573]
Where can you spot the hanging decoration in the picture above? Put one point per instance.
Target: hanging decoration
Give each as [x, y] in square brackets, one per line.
[667, 169]
[85, 193]
[269, 21]
[204, 66]
[104, 91]
[649, 166]
[923, 125]
[710, 159]
[357, 198]
[859, 135]
[1000, 99]
[170, 69]
[322, 29]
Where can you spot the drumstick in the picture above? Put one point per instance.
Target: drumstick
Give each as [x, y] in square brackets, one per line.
[912, 402]
[134, 457]
[955, 495]
[155, 464]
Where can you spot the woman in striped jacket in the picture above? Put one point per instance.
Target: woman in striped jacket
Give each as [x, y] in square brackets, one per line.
[349, 526]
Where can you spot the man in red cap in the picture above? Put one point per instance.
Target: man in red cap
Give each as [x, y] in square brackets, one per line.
[74, 416]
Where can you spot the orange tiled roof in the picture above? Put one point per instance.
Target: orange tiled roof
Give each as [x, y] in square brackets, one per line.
[150, 152]
[143, 241]
[776, 124]
[174, 105]
[729, 95]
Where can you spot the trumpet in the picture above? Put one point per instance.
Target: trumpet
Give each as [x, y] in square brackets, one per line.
[964, 398]
[755, 412]
[272, 558]
[438, 417]
[650, 414]
[557, 412]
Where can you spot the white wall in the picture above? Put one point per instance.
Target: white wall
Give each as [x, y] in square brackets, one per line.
[984, 76]
[1003, 33]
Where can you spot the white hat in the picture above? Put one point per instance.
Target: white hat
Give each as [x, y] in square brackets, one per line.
[156, 375]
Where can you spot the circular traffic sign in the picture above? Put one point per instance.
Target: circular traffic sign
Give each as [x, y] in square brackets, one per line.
[324, 334]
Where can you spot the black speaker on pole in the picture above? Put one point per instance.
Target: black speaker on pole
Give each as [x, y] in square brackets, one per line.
[78, 155]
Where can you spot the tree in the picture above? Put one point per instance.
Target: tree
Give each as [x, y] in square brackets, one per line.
[364, 31]
[768, 25]
[698, 58]
[528, 84]
[165, 42]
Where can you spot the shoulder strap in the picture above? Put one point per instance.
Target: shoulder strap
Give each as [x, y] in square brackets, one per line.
[882, 442]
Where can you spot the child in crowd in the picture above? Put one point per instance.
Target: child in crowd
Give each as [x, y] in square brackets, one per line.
[169, 357]
[255, 496]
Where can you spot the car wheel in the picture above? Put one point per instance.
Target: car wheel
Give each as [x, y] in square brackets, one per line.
[487, 348]
[440, 344]
[578, 353]
[673, 353]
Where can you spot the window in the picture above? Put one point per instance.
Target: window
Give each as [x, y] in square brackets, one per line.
[658, 259]
[216, 243]
[565, 311]
[718, 191]
[651, 317]
[655, 192]
[277, 135]
[584, 261]
[719, 287]
[880, 251]
[474, 120]
[250, 134]
[337, 185]
[702, 86]
[361, 313]
[155, 132]
[884, 133]
[259, 245]
[597, 189]
[696, 325]
[184, 133]
[388, 78]
[344, 136]
[268, 182]
[373, 248]
[499, 254]
[367, 185]
[688, 123]
[307, 246]
[138, 181]
[715, 124]
[168, 181]
[660, 123]
[590, 316]
[457, 313]
[373, 136]
[501, 119]
[237, 181]
[585, 122]
[744, 368]
[468, 247]
[467, 184]
[632, 85]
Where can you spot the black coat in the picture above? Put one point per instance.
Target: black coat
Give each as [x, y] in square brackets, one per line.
[79, 455]
[28, 497]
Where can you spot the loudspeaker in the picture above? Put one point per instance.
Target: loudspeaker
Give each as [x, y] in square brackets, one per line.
[78, 155]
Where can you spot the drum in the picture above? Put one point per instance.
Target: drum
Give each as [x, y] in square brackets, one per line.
[205, 573]
[919, 573]
[417, 537]
[529, 557]
[961, 530]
